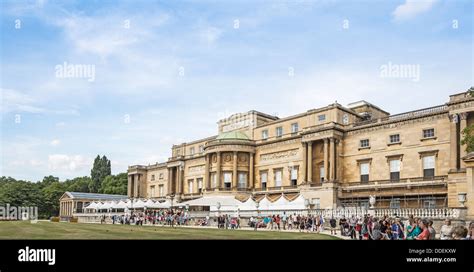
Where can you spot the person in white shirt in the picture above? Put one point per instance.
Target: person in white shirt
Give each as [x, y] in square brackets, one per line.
[446, 232]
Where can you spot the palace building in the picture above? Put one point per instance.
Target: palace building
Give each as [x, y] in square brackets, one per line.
[334, 156]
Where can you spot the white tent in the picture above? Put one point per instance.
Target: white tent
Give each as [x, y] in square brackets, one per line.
[121, 205]
[162, 205]
[138, 204]
[149, 203]
[248, 205]
[227, 203]
[297, 204]
[92, 206]
[281, 204]
[107, 205]
[264, 204]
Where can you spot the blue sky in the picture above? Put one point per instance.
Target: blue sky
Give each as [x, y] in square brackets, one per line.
[183, 65]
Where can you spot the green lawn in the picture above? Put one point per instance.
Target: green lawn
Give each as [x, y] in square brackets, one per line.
[49, 230]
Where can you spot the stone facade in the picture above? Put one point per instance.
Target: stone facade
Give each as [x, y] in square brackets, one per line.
[334, 156]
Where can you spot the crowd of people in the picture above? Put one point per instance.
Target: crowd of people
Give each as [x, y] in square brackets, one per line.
[386, 228]
[355, 227]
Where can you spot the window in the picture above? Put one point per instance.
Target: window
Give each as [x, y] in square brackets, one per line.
[364, 172]
[395, 203]
[152, 177]
[191, 151]
[364, 143]
[227, 180]
[394, 170]
[428, 167]
[263, 179]
[294, 176]
[201, 148]
[161, 176]
[316, 203]
[321, 173]
[277, 178]
[264, 134]
[279, 131]
[152, 191]
[321, 117]
[242, 183]
[429, 203]
[428, 133]
[294, 128]
[395, 138]
[199, 182]
[191, 186]
[214, 180]
[161, 190]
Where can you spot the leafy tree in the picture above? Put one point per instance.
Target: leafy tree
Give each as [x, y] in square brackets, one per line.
[79, 184]
[115, 184]
[468, 138]
[51, 195]
[100, 170]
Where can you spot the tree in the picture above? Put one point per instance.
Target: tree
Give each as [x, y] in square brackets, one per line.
[100, 170]
[468, 138]
[79, 184]
[115, 184]
[51, 195]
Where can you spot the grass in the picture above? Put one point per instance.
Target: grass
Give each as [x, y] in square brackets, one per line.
[51, 230]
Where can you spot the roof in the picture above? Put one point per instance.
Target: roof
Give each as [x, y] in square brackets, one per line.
[94, 196]
[233, 135]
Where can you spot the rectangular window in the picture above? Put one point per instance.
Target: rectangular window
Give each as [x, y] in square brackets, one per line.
[264, 134]
[242, 183]
[294, 176]
[214, 180]
[294, 128]
[152, 177]
[395, 203]
[277, 174]
[161, 176]
[394, 170]
[161, 190]
[279, 131]
[395, 138]
[201, 148]
[322, 173]
[428, 167]
[263, 179]
[364, 143]
[191, 151]
[429, 203]
[321, 117]
[152, 191]
[199, 183]
[191, 186]
[428, 133]
[227, 179]
[364, 172]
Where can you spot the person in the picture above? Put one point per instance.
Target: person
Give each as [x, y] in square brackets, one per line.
[413, 230]
[471, 231]
[290, 222]
[332, 223]
[431, 230]
[283, 220]
[446, 232]
[277, 221]
[397, 230]
[342, 223]
[425, 233]
[460, 233]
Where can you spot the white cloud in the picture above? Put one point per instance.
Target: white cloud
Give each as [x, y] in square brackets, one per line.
[55, 142]
[411, 8]
[63, 162]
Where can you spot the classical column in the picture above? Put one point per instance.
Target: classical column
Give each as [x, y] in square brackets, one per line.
[251, 185]
[179, 176]
[454, 141]
[234, 170]
[332, 159]
[218, 170]
[463, 124]
[129, 186]
[310, 162]
[170, 182]
[135, 185]
[207, 180]
[326, 159]
[303, 160]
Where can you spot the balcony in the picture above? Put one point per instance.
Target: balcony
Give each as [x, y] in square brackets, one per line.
[385, 184]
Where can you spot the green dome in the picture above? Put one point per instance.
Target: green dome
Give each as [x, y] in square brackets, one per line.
[232, 135]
